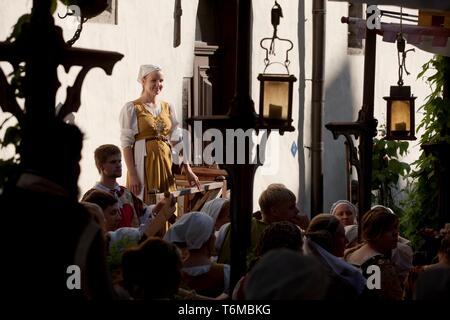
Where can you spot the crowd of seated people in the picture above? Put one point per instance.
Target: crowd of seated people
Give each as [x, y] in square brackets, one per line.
[110, 234]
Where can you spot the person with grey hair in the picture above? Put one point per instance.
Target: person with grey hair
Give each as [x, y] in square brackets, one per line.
[149, 127]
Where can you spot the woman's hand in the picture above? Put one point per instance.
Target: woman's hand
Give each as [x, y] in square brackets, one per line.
[192, 177]
[135, 184]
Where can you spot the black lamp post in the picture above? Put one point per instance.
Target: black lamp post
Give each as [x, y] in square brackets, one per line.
[242, 115]
[364, 128]
[400, 116]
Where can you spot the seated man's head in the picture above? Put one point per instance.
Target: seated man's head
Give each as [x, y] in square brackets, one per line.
[108, 203]
[279, 235]
[53, 151]
[277, 203]
[108, 160]
[152, 270]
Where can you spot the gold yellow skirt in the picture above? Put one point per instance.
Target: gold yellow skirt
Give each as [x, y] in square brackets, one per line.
[158, 176]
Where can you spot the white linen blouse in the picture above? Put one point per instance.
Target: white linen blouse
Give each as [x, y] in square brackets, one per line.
[129, 126]
[129, 129]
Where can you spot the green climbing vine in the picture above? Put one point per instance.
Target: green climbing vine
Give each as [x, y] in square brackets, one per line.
[420, 207]
[387, 170]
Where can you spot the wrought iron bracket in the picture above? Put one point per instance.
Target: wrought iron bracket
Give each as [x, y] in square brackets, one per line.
[276, 14]
[348, 129]
[86, 58]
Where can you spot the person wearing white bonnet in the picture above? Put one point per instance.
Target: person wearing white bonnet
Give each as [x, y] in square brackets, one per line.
[345, 211]
[149, 129]
[194, 233]
[219, 210]
[192, 230]
[351, 233]
[146, 69]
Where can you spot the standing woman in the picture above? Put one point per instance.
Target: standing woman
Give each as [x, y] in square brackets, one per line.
[147, 125]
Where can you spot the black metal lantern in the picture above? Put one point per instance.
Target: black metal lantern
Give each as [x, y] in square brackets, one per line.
[400, 103]
[275, 99]
[400, 114]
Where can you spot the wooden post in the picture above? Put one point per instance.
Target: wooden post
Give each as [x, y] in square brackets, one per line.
[368, 124]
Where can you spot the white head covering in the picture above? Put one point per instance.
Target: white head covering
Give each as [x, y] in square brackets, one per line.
[193, 228]
[383, 207]
[212, 208]
[351, 232]
[339, 202]
[145, 69]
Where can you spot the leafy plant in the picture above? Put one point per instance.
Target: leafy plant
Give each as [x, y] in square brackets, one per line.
[387, 169]
[420, 209]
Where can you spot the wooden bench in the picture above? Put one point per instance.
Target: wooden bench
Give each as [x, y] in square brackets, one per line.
[191, 198]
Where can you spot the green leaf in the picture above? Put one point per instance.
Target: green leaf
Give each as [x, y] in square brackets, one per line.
[53, 6]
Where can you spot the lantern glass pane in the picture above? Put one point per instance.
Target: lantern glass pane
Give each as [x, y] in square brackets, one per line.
[400, 117]
[276, 100]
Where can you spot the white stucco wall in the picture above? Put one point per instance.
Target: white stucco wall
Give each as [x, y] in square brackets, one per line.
[282, 166]
[144, 35]
[9, 13]
[344, 91]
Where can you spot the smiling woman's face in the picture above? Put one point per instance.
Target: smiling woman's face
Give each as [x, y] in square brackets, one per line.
[153, 83]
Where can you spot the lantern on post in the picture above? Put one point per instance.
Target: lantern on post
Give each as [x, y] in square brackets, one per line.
[400, 103]
[400, 114]
[275, 101]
